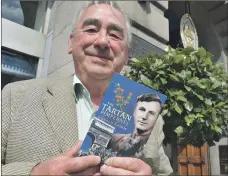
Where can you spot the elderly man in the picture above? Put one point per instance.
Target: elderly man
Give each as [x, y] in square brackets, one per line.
[42, 119]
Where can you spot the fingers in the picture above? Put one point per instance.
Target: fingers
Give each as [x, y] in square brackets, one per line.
[80, 163]
[73, 150]
[108, 170]
[126, 163]
[131, 164]
[89, 171]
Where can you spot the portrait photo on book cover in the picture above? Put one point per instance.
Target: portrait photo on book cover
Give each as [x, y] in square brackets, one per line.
[146, 112]
[101, 139]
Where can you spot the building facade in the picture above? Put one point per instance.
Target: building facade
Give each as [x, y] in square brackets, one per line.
[35, 40]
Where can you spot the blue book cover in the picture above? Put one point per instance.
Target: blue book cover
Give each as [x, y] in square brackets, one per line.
[124, 120]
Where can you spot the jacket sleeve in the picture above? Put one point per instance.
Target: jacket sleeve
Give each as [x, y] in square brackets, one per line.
[14, 168]
[154, 151]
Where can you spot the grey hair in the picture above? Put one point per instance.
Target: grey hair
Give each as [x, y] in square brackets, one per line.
[112, 4]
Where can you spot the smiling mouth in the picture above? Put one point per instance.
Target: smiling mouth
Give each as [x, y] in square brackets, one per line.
[143, 123]
[102, 57]
[99, 56]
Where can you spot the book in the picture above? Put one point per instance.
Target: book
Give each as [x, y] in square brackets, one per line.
[124, 120]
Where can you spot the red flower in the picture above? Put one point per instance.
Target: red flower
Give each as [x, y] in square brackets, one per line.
[130, 93]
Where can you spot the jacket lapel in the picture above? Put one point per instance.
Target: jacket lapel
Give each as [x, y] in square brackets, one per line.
[60, 107]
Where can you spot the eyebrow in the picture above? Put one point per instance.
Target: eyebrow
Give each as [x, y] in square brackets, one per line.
[97, 22]
[116, 27]
[152, 112]
[141, 107]
[91, 21]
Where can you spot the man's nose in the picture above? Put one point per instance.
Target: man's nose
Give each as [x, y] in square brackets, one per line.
[144, 116]
[102, 40]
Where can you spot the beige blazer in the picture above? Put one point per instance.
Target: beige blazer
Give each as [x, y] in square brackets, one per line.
[39, 121]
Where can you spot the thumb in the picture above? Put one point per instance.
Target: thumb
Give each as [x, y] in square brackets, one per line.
[73, 150]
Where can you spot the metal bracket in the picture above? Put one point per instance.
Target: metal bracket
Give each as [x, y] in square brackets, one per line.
[189, 160]
[203, 160]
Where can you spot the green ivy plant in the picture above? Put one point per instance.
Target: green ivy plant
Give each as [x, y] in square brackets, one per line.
[197, 91]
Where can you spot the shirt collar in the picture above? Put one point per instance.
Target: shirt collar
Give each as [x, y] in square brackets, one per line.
[79, 88]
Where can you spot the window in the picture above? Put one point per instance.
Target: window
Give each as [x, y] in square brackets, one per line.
[17, 66]
[30, 14]
[140, 47]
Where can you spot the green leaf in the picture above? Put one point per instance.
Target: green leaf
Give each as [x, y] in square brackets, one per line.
[213, 113]
[178, 108]
[208, 61]
[208, 102]
[179, 130]
[155, 86]
[173, 77]
[198, 115]
[182, 98]
[213, 79]
[216, 84]
[181, 93]
[161, 72]
[164, 112]
[206, 82]
[201, 52]
[197, 109]
[178, 58]
[193, 80]
[186, 61]
[146, 81]
[220, 104]
[158, 62]
[199, 96]
[163, 80]
[169, 114]
[193, 59]
[199, 84]
[173, 92]
[217, 129]
[188, 88]
[189, 119]
[135, 60]
[209, 122]
[188, 105]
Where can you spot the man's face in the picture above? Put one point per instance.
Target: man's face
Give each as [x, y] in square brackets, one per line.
[146, 114]
[99, 45]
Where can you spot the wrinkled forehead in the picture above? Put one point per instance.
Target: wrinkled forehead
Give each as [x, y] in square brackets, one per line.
[149, 106]
[104, 13]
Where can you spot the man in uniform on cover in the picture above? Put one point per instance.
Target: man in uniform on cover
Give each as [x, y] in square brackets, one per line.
[146, 112]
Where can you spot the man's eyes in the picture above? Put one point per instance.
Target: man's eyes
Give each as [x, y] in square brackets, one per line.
[115, 36]
[142, 109]
[152, 113]
[91, 30]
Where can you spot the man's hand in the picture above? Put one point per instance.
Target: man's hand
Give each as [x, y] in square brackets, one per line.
[125, 166]
[67, 163]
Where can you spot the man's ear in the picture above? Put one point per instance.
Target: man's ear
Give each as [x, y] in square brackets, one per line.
[70, 44]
